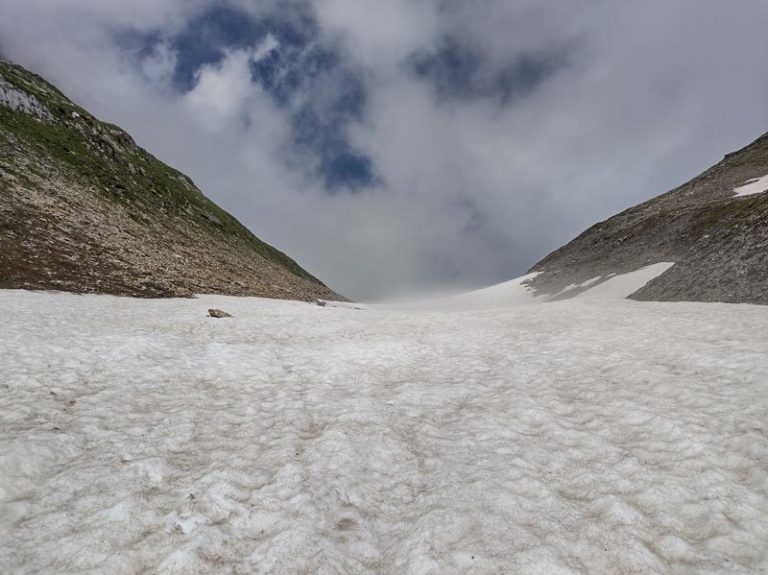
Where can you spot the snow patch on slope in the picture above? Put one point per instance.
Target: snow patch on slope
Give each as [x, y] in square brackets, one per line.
[623, 285]
[518, 292]
[574, 289]
[752, 187]
[510, 293]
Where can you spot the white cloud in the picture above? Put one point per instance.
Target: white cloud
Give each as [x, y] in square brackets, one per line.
[380, 32]
[222, 89]
[471, 192]
[160, 65]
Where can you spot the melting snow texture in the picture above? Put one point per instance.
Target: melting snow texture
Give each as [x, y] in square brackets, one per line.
[583, 436]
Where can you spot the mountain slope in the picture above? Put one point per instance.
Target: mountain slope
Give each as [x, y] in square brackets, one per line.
[85, 209]
[714, 230]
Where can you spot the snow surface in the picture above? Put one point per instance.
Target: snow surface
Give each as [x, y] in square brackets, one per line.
[511, 293]
[756, 186]
[584, 436]
[624, 285]
[517, 292]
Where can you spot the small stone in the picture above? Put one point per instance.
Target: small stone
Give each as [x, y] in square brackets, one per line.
[217, 313]
[322, 303]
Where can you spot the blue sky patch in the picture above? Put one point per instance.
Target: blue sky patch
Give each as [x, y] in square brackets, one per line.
[318, 90]
[207, 38]
[346, 169]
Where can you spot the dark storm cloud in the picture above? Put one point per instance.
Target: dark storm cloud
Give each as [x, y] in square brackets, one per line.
[476, 136]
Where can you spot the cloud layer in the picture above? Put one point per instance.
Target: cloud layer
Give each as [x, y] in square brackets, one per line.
[413, 145]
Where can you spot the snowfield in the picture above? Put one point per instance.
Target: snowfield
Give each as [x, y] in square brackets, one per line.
[593, 435]
[752, 187]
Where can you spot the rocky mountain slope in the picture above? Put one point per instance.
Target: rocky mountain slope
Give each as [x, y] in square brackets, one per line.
[714, 228]
[84, 209]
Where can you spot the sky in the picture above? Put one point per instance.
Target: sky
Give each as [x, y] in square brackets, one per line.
[412, 146]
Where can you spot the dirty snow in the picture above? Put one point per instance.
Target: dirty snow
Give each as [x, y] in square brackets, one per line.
[756, 186]
[584, 436]
[573, 289]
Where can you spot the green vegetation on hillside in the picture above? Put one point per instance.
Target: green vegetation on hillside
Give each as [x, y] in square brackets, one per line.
[103, 157]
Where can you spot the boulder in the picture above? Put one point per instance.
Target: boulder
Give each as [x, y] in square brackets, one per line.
[217, 313]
